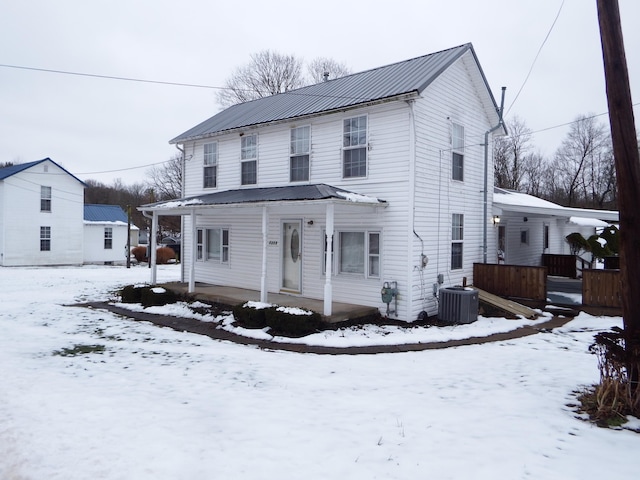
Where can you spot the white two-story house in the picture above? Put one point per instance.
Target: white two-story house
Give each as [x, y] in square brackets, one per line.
[333, 190]
[41, 208]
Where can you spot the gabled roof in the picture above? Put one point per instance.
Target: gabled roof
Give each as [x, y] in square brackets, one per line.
[512, 201]
[244, 196]
[104, 213]
[7, 172]
[406, 78]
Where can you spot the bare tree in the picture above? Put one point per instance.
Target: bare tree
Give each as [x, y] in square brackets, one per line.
[511, 155]
[321, 68]
[586, 143]
[166, 179]
[536, 176]
[268, 73]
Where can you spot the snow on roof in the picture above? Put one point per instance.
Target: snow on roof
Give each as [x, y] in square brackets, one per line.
[587, 222]
[521, 199]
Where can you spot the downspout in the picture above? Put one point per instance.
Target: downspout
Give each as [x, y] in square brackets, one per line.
[486, 176]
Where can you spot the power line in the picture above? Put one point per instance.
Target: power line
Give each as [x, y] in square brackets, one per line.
[536, 58]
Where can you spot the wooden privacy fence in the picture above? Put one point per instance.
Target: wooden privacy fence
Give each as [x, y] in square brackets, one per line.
[601, 288]
[560, 265]
[512, 280]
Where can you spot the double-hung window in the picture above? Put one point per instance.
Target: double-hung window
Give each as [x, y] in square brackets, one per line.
[108, 238]
[45, 199]
[249, 159]
[354, 147]
[210, 165]
[299, 154]
[457, 237]
[358, 253]
[457, 148]
[212, 245]
[45, 239]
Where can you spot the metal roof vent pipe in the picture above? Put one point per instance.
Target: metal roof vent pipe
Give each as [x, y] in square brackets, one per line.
[325, 75]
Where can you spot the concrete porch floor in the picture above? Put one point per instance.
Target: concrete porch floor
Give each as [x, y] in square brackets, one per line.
[232, 296]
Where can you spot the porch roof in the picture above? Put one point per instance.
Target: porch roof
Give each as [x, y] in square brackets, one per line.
[263, 196]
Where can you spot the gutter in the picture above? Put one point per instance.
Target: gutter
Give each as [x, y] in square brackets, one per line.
[486, 176]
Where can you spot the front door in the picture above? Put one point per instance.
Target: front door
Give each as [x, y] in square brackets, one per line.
[291, 256]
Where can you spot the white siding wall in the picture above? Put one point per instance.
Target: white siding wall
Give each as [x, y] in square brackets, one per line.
[451, 98]
[94, 251]
[23, 218]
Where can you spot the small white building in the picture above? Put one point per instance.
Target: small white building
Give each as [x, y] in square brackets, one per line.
[41, 207]
[105, 234]
[529, 227]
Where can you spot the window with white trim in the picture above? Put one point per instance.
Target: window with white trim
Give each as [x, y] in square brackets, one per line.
[299, 154]
[249, 159]
[457, 237]
[457, 148]
[357, 253]
[210, 173]
[212, 245]
[354, 147]
[45, 239]
[108, 238]
[45, 199]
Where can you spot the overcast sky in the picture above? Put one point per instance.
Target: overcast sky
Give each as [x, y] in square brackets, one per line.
[107, 129]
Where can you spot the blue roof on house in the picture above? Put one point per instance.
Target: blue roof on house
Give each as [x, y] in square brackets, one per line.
[12, 170]
[104, 213]
[371, 86]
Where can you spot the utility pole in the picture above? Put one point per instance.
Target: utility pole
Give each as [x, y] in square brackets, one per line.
[627, 161]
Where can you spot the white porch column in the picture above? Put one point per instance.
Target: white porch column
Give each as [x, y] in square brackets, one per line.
[153, 246]
[194, 252]
[328, 289]
[265, 231]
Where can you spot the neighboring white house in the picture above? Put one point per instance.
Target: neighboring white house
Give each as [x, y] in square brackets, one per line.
[105, 234]
[529, 226]
[331, 190]
[40, 215]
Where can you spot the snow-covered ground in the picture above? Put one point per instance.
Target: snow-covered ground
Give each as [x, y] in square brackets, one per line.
[152, 403]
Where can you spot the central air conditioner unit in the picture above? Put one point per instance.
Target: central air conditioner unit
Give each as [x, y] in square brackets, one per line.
[458, 305]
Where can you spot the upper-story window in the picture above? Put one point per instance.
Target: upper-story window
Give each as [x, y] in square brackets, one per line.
[249, 159]
[457, 148]
[210, 165]
[299, 154]
[108, 238]
[45, 199]
[354, 145]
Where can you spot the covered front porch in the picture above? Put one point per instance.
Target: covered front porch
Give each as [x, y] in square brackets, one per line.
[340, 312]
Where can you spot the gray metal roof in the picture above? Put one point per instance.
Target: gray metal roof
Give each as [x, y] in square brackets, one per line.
[291, 193]
[104, 213]
[402, 78]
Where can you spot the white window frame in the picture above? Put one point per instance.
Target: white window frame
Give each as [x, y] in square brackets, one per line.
[299, 148]
[45, 199]
[203, 245]
[45, 239]
[210, 164]
[352, 140]
[457, 241]
[248, 157]
[368, 254]
[108, 238]
[457, 151]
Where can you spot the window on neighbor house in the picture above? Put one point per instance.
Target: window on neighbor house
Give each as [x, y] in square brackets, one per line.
[545, 237]
[457, 237]
[45, 199]
[358, 253]
[108, 238]
[249, 159]
[45, 239]
[457, 156]
[299, 154]
[354, 147]
[212, 245]
[210, 172]
[524, 237]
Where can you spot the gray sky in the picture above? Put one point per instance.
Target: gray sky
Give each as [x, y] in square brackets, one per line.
[91, 125]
